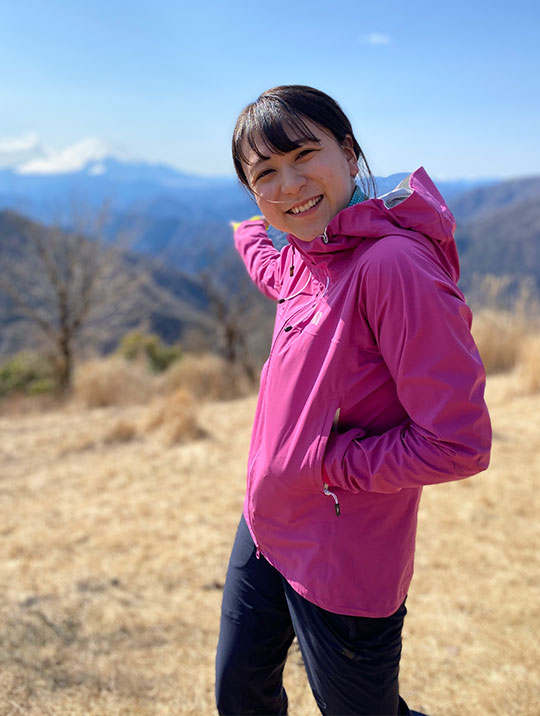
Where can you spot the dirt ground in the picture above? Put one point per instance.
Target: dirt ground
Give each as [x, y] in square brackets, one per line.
[115, 546]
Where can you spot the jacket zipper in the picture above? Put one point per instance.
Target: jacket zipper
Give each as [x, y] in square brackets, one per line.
[285, 328]
[328, 492]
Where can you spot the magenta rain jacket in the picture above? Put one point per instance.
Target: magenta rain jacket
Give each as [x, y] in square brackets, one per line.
[373, 385]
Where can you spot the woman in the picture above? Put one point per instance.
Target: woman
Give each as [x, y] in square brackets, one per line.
[373, 389]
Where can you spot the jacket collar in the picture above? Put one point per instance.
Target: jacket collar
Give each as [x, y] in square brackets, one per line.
[325, 253]
[414, 207]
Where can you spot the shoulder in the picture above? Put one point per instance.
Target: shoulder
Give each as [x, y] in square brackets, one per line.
[399, 270]
[396, 250]
[397, 260]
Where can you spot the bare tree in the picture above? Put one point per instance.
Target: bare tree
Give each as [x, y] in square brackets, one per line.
[66, 282]
[242, 316]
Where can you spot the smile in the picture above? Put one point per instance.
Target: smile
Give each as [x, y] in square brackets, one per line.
[305, 207]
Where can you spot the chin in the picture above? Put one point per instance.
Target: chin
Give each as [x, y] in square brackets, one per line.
[307, 238]
[309, 235]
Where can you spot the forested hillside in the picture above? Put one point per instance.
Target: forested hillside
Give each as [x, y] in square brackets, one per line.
[181, 275]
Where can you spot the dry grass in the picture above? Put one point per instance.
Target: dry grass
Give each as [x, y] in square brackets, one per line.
[506, 317]
[115, 381]
[112, 381]
[121, 432]
[206, 377]
[115, 551]
[499, 336]
[529, 364]
[176, 416]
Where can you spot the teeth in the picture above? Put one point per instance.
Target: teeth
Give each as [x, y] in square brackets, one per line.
[305, 207]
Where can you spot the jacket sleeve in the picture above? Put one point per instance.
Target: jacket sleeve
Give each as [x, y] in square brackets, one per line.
[421, 324]
[264, 263]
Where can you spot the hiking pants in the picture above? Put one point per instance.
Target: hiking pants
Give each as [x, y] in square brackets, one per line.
[352, 663]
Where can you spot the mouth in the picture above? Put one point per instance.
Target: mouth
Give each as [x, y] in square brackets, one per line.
[307, 206]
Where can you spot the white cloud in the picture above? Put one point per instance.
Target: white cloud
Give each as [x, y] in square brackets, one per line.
[70, 159]
[377, 38]
[20, 148]
[24, 142]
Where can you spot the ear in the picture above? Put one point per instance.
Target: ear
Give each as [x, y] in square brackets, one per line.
[348, 150]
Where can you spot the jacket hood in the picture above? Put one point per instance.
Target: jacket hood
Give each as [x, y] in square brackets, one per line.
[415, 205]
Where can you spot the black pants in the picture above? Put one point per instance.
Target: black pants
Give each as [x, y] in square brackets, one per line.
[352, 663]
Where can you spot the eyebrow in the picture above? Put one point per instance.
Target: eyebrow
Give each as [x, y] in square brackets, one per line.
[300, 142]
[261, 160]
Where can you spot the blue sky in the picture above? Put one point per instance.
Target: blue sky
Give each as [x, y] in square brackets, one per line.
[454, 87]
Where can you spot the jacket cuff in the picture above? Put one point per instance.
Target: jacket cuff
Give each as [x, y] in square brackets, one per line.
[334, 467]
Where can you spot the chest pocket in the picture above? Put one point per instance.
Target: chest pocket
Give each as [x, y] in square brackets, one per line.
[312, 320]
[322, 325]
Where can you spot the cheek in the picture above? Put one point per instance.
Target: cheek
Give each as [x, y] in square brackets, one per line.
[268, 208]
[264, 207]
[270, 214]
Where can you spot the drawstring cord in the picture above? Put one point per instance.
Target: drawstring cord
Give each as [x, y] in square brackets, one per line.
[282, 300]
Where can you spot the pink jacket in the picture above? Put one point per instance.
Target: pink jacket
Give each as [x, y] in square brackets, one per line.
[373, 385]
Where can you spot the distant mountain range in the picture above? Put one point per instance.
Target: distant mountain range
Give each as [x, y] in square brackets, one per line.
[498, 230]
[127, 187]
[149, 189]
[164, 212]
[177, 224]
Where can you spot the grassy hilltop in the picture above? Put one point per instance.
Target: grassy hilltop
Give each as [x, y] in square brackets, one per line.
[118, 510]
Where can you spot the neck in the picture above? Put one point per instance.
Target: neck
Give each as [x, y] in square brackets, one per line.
[357, 197]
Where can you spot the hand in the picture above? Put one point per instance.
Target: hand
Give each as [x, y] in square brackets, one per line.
[257, 217]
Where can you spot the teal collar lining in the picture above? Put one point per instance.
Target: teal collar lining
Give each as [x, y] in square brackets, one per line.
[357, 197]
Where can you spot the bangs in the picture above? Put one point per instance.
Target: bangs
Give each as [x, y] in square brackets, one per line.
[278, 122]
[269, 128]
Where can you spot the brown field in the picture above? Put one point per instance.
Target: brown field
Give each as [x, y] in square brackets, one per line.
[115, 544]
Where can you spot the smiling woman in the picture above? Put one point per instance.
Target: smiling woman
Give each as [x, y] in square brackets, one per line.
[373, 389]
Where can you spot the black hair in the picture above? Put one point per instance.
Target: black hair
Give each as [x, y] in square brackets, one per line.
[285, 109]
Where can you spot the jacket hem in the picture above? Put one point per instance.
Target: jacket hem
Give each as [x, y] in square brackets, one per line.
[385, 610]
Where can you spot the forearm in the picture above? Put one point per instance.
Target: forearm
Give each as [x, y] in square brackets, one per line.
[261, 259]
[404, 457]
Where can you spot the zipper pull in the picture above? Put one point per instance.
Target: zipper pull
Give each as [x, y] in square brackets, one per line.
[291, 269]
[336, 501]
[257, 551]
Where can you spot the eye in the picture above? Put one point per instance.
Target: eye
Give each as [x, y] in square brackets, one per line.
[263, 174]
[304, 152]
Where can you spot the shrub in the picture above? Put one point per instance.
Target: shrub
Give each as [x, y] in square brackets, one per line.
[529, 364]
[176, 415]
[42, 386]
[112, 381]
[122, 431]
[507, 313]
[26, 372]
[206, 376]
[149, 347]
[499, 336]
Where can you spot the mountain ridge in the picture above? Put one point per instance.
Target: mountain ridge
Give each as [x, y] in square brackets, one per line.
[128, 184]
[180, 232]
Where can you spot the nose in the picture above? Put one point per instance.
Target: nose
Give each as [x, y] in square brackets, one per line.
[292, 180]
